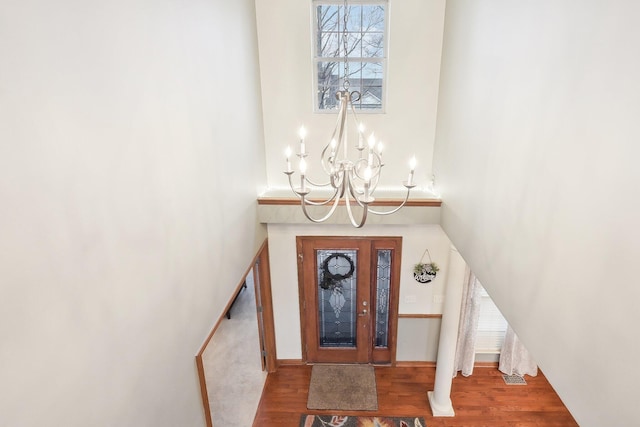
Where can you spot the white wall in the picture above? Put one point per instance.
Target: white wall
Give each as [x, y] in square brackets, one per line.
[407, 127]
[415, 298]
[536, 158]
[124, 224]
[418, 339]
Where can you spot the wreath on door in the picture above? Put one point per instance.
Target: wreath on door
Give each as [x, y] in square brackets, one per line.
[333, 281]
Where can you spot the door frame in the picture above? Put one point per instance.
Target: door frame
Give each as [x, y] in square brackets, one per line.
[386, 355]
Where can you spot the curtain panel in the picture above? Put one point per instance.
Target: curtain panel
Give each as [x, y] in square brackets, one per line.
[468, 327]
[515, 358]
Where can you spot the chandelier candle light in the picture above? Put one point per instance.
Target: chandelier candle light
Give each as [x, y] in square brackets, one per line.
[351, 180]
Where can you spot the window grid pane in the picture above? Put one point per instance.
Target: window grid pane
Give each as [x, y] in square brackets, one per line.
[364, 77]
[365, 53]
[491, 326]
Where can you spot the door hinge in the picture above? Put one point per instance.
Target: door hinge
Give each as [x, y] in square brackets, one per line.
[259, 309]
[301, 257]
[264, 353]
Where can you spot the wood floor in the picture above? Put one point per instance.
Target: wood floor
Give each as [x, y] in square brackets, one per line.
[482, 399]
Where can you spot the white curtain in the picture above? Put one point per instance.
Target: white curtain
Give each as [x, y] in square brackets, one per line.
[515, 358]
[468, 328]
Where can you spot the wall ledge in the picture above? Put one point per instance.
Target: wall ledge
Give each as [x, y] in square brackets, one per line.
[278, 208]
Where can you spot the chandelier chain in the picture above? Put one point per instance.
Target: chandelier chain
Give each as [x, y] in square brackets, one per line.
[345, 47]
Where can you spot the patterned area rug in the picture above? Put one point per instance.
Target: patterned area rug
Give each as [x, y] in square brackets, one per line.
[349, 421]
[343, 388]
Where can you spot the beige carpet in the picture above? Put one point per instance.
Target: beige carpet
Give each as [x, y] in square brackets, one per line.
[343, 387]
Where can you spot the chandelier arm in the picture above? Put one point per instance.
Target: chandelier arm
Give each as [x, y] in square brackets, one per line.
[357, 166]
[324, 161]
[355, 115]
[355, 193]
[337, 181]
[325, 202]
[374, 181]
[315, 184]
[310, 202]
[289, 175]
[363, 219]
[376, 165]
[342, 117]
[339, 125]
[305, 202]
[394, 210]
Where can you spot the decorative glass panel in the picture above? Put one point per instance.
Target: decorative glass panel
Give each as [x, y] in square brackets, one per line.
[383, 282]
[337, 302]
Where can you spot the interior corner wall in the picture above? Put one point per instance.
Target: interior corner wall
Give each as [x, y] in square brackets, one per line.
[125, 219]
[536, 159]
[415, 298]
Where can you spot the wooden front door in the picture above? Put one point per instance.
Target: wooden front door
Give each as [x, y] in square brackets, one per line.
[349, 298]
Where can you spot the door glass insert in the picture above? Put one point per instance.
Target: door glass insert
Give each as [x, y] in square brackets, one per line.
[337, 302]
[383, 281]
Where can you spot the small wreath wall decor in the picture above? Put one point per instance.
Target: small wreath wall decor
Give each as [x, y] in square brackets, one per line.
[425, 272]
[331, 280]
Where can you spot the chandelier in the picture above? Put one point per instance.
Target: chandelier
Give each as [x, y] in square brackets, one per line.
[351, 180]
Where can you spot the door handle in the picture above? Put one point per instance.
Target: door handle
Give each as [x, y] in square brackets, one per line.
[364, 312]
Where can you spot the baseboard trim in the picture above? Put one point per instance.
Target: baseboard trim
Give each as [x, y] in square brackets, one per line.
[485, 365]
[415, 364]
[290, 362]
[401, 364]
[432, 364]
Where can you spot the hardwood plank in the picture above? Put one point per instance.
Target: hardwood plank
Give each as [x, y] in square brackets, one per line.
[482, 399]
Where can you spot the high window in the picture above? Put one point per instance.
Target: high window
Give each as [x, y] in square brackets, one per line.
[365, 48]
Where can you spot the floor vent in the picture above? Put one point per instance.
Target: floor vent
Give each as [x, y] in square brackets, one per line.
[513, 379]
